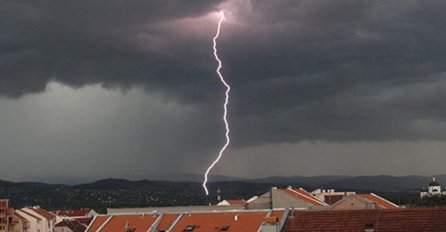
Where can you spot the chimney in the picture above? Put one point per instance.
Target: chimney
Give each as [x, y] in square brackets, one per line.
[236, 217]
[291, 213]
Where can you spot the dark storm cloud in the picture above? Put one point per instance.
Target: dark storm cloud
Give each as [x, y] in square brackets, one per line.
[330, 70]
[84, 42]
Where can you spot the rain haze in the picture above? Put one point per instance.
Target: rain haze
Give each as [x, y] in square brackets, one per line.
[128, 89]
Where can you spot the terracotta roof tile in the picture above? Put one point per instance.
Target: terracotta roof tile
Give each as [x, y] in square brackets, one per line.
[167, 221]
[388, 220]
[379, 200]
[304, 195]
[205, 222]
[31, 215]
[21, 217]
[43, 212]
[236, 202]
[73, 213]
[97, 222]
[124, 223]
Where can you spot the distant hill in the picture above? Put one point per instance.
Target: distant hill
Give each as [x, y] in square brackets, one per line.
[125, 193]
[188, 177]
[377, 183]
[313, 181]
[381, 183]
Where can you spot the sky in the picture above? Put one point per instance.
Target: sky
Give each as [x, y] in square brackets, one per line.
[127, 88]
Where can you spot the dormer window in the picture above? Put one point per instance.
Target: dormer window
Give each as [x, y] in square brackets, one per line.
[189, 228]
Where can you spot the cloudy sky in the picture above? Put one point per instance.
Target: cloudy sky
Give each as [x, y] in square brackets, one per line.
[127, 88]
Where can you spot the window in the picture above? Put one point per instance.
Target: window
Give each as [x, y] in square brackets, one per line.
[189, 228]
[224, 228]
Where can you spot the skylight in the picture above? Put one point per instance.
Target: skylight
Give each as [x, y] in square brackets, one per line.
[189, 228]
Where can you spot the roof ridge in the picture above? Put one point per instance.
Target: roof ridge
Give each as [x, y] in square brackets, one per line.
[308, 197]
[384, 199]
[29, 214]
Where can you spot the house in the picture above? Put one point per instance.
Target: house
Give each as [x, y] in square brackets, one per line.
[232, 202]
[286, 198]
[363, 201]
[84, 216]
[45, 221]
[69, 225]
[329, 196]
[394, 220]
[226, 220]
[35, 224]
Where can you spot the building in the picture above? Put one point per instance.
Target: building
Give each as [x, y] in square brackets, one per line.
[393, 220]
[330, 196]
[39, 219]
[286, 198]
[240, 202]
[9, 221]
[34, 223]
[6, 215]
[69, 225]
[84, 216]
[434, 189]
[363, 201]
[22, 224]
[225, 220]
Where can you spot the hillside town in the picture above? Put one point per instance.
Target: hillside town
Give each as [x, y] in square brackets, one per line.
[291, 209]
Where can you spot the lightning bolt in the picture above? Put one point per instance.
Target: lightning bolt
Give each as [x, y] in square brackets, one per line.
[225, 105]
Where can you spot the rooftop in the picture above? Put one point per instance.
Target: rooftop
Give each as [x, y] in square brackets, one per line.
[301, 194]
[395, 220]
[379, 200]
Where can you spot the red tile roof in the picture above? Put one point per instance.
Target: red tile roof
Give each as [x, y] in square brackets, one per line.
[389, 220]
[73, 213]
[205, 222]
[166, 221]
[21, 217]
[43, 213]
[123, 223]
[31, 215]
[97, 222]
[304, 195]
[379, 200]
[236, 202]
[242, 221]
